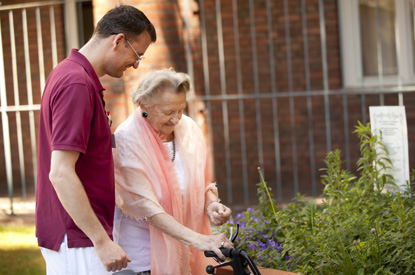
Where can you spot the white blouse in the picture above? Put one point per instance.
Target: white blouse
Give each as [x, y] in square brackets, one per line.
[134, 235]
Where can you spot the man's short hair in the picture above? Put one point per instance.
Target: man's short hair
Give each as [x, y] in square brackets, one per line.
[127, 20]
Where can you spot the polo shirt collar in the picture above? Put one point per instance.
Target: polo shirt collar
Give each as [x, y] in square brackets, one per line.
[79, 58]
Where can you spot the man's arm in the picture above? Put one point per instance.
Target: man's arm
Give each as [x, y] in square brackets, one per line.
[73, 197]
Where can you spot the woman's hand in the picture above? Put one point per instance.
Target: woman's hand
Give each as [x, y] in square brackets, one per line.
[214, 243]
[218, 213]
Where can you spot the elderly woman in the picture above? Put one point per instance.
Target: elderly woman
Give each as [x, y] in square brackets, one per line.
[165, 200]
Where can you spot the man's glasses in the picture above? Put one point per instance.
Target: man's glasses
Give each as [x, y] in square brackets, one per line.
[139, 57]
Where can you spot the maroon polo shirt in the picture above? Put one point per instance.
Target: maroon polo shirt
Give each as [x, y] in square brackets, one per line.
[72, 117]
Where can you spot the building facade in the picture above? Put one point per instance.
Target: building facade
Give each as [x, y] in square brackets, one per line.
[277, 83]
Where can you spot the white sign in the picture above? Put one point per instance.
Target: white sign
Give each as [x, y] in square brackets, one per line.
[391, 122]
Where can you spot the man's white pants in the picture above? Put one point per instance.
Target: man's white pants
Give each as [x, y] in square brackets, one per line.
[73, 261]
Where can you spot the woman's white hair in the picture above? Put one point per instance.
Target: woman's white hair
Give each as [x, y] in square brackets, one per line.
[156, 82]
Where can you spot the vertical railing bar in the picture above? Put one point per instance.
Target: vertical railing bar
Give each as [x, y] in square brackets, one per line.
[17, 103]
[224, 102]
[346, 130]
[363, 108]
[274, 101]
[80, 22]
[345, 99]
[206, 75]
[53, 36]
[40, 50]
[240, 101]
[325, 74]
[189, 60]
[256, 85]
[5, 126]
[309, 99]
[29, 95]
[413, 27]
[363, 96]
[398, 51]
[291, 98]
[379, 55]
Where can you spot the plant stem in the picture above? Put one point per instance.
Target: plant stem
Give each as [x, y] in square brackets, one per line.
[268, 194]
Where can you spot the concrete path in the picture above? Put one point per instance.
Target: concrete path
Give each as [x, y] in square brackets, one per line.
[23, 211]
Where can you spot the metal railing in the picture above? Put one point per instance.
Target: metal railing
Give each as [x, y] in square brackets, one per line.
[224, 99]
[45, 26]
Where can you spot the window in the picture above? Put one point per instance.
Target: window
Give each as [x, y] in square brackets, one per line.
[85, 22]
[377, 42]
[79, 24]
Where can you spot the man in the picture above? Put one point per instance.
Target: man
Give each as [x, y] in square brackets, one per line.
[75, 196]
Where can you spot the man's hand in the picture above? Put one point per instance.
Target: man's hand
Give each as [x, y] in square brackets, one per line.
[112, 256]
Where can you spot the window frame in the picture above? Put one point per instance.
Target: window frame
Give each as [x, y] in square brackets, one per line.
[352, 52]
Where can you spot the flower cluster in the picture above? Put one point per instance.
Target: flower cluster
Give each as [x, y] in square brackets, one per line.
[257, 238]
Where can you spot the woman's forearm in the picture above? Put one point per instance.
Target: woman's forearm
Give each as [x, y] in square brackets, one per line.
[168, 225]
[210, 196]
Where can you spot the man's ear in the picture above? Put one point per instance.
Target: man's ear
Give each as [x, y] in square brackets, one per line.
[118, 40]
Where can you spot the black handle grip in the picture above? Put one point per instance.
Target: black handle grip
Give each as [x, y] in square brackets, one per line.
[227, 252]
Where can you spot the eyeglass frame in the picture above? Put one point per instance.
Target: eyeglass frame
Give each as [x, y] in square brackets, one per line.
[139, 57]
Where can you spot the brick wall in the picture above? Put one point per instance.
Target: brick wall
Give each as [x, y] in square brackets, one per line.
[297, 82]
[166, 17]
[168, 51]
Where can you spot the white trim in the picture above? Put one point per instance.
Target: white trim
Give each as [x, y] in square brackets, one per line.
[71, 26]
[351, 47]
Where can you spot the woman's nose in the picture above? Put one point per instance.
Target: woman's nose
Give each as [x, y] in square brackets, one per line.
[175, 119]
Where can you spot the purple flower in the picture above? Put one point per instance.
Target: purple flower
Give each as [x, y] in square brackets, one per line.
[262, 245]
[252, 246]
[272, 243]
[240, 216]
[373, 230]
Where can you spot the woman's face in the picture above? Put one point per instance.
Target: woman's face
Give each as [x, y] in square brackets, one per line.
[166, 111]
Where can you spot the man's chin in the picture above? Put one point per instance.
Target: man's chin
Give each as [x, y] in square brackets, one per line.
[117, 75]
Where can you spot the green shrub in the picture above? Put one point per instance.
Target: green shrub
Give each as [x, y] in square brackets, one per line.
[358, 229]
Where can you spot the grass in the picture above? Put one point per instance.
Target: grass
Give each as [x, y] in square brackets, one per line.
[19, 253]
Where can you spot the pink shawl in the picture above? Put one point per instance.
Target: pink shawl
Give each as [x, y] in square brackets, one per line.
[146, 184]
